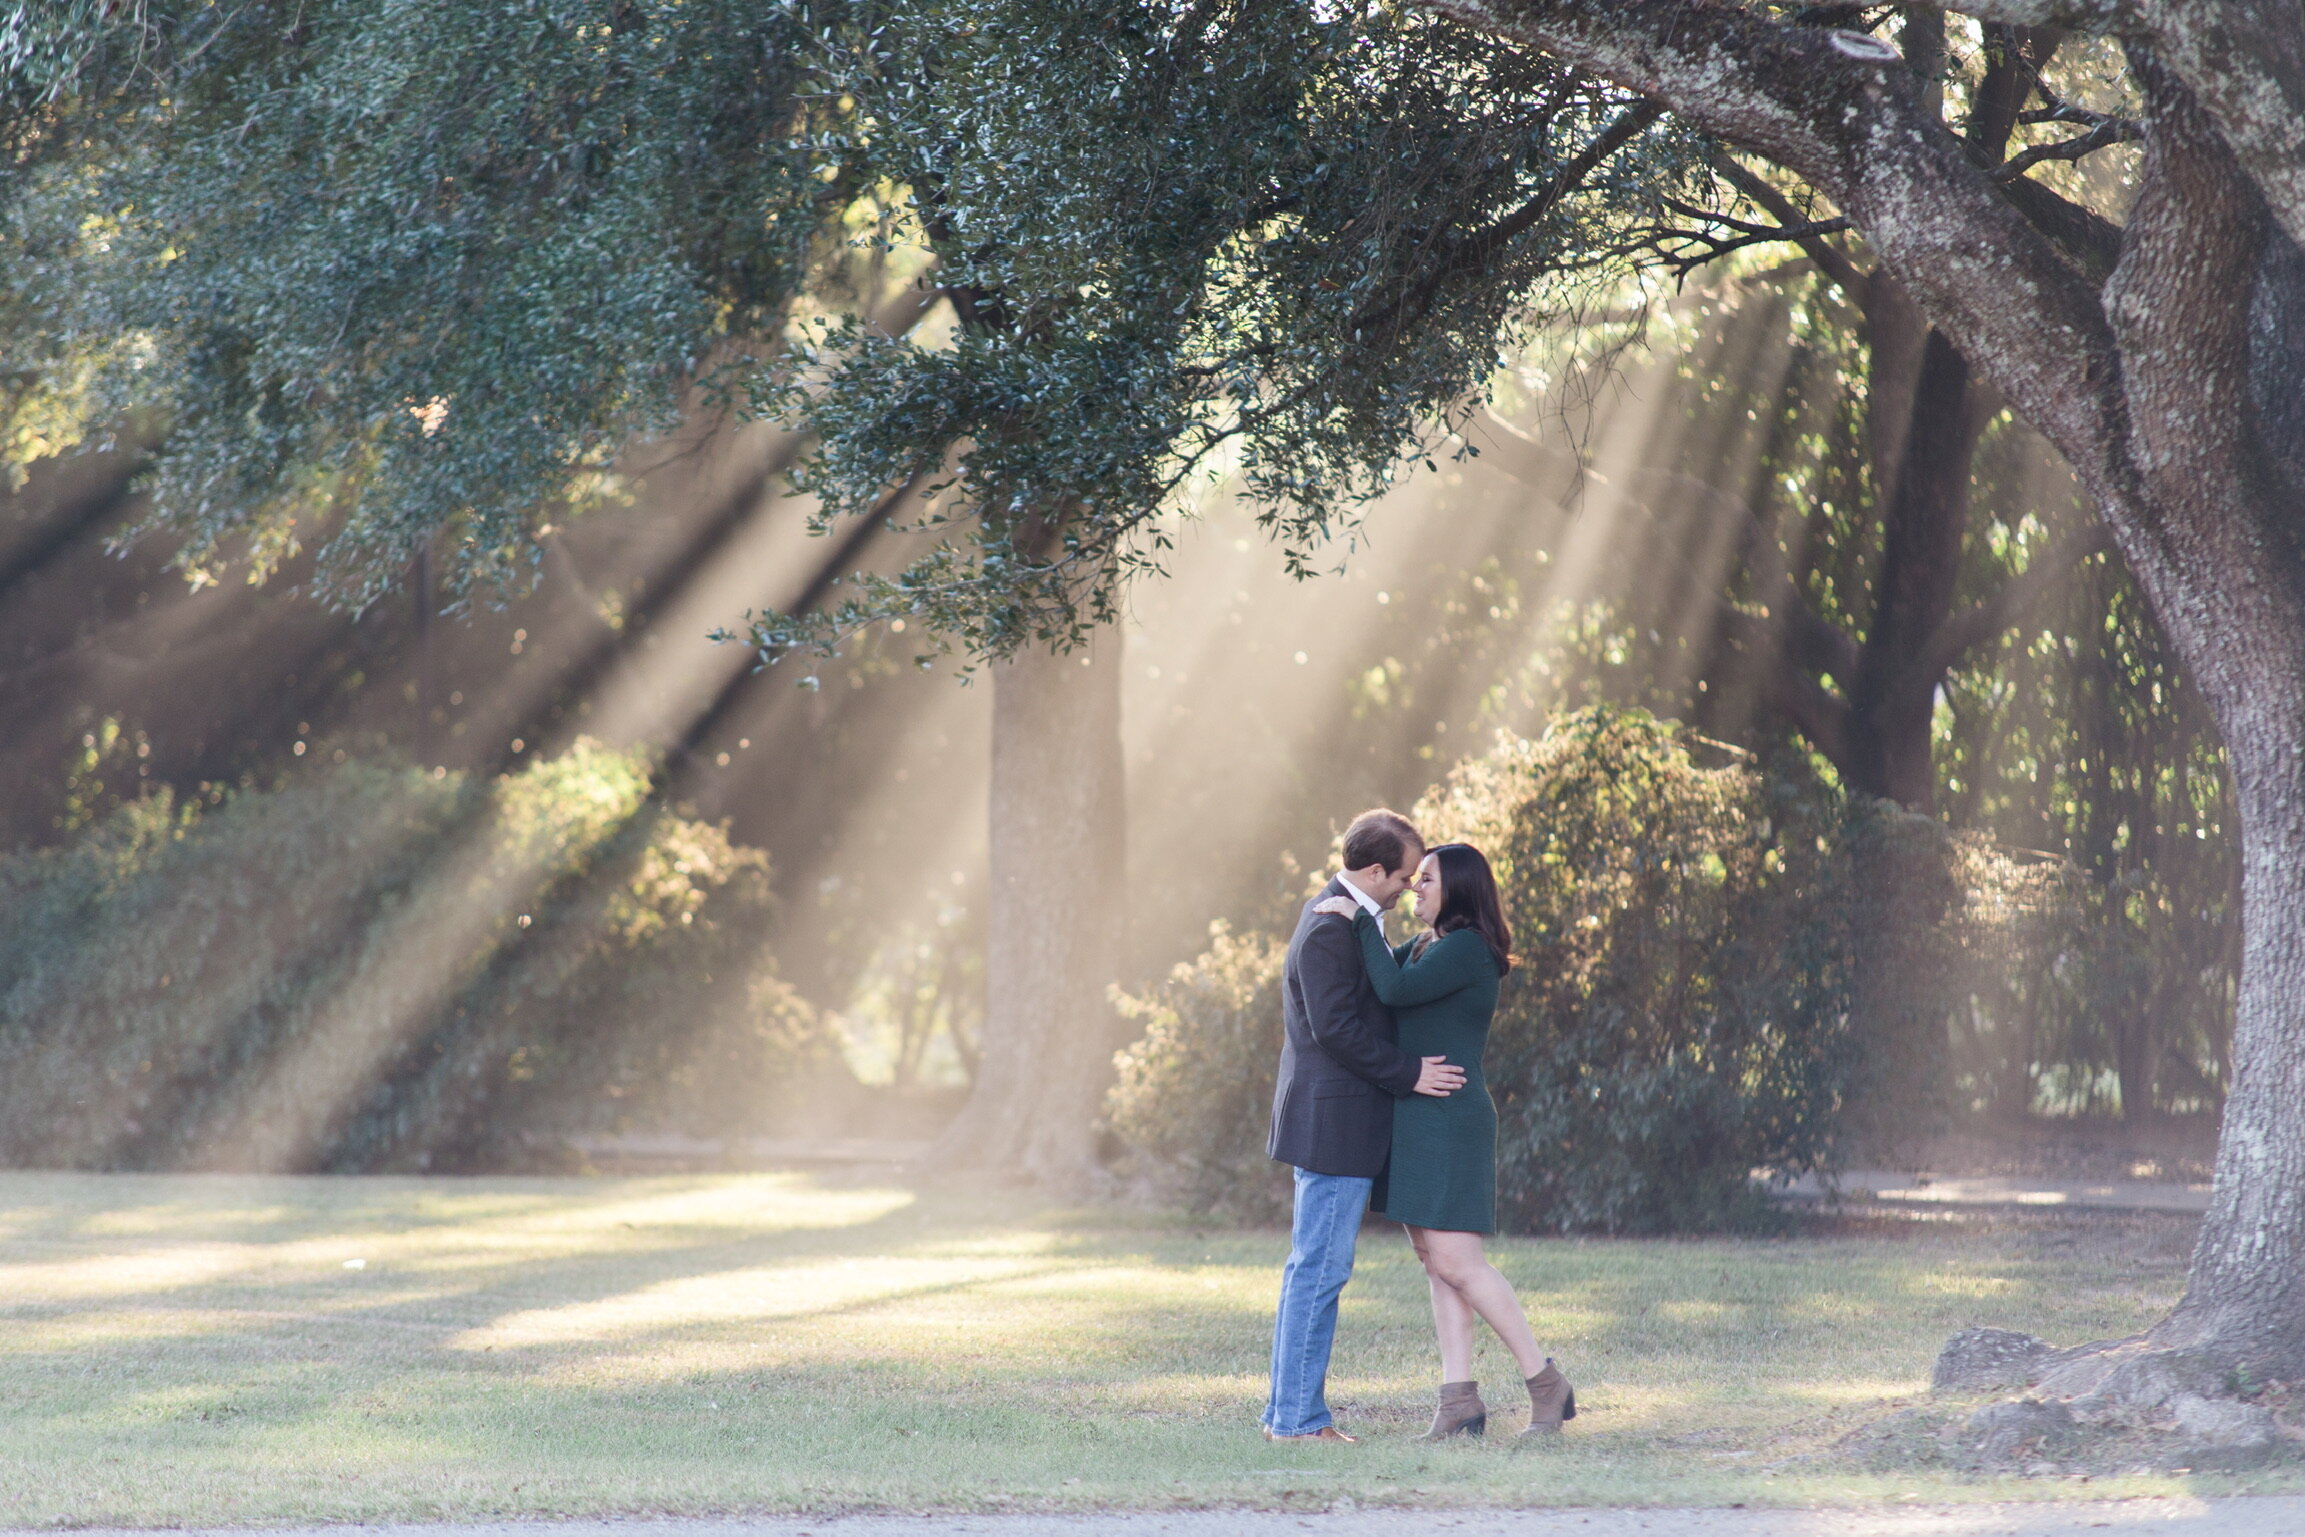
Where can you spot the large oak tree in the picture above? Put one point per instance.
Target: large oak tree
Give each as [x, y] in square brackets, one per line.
[1274, 239]
[2171, 384]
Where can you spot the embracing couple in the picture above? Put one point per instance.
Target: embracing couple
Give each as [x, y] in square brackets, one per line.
[1381, 1106]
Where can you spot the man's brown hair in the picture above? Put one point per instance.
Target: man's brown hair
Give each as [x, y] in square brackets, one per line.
[1381, 837]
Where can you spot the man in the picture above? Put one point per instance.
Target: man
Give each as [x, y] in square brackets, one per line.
[1341, 1070]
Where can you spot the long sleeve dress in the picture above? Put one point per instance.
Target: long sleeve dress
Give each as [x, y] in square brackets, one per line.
[1443, 1172]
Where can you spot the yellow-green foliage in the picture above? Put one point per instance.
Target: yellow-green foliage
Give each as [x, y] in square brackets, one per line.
[371, 966]
[1195, 1092]
[1681, 1010]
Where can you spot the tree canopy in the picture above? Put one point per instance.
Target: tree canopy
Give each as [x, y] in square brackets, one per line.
[414, 274]
[397, 275]
[1280, 242]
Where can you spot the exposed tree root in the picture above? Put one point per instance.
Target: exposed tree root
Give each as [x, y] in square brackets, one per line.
[2106, 1407]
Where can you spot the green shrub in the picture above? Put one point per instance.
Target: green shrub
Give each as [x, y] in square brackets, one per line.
[374, 967]
[1195, 1094]
[1680, 1013]
[1725, 966]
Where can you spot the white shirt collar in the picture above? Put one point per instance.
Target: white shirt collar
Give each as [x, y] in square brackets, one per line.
[1367, 902]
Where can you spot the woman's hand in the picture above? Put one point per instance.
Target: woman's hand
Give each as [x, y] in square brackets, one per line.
[1342, 907]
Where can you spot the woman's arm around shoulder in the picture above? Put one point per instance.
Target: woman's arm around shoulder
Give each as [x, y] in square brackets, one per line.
[1446, 966]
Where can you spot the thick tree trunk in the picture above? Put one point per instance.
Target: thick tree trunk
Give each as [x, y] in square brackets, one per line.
[1059, 894]
[2245, 1297]
[2220, 561]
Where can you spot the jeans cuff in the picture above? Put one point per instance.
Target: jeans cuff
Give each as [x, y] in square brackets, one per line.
[1317, 1426]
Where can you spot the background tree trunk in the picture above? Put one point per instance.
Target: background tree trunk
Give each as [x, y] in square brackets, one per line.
[1892, 699]
[1059, 904]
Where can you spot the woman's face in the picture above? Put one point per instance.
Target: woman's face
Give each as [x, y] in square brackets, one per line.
[1427, 886]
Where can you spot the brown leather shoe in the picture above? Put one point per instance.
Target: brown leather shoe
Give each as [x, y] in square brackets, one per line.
[1461, 1412]
[1551, 1400]
[1325, 1433]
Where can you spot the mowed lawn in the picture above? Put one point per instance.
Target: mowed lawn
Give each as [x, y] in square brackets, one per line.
[217, 1349]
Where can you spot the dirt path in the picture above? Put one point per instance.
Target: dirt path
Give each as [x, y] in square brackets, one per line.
[1863, 1187]
[2269, 1516]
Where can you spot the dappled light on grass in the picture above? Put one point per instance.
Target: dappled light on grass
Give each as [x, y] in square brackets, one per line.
[131, 1274]
[743, 1296]
[402, 1242]
[526, 1347]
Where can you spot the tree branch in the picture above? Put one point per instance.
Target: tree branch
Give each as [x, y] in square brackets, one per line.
[2087, 239]
[1983, 620]
[2114, 130]
[1479, 246]
[1830, 260]
[1661, 239]
[1843, 111]
[1474, 251]
[2244, 60]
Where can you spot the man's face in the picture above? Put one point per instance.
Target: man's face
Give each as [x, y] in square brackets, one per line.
[1386, 888]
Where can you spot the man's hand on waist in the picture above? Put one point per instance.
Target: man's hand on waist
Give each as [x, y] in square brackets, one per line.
[1438, 1079]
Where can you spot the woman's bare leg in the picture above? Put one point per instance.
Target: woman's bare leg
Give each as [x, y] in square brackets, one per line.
[1454, 1261]
[1453, 1319]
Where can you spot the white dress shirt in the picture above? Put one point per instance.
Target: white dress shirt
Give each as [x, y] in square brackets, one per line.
[1368, 903]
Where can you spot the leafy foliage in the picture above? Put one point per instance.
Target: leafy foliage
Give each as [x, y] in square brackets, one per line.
[1194, 1094]
[2081, 735]
[374, 967]
[399, 270]
[1682, 1011]
[2072, 733]
[1280, 241]
[1694, 999]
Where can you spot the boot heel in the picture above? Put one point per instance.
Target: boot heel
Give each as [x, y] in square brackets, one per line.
[1461, 1412]
[1551, 1401]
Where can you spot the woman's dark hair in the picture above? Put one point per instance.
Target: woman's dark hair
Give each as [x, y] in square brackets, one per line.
[1469, 900]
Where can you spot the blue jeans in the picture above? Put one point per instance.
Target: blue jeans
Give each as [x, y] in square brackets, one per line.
[1321, 1239]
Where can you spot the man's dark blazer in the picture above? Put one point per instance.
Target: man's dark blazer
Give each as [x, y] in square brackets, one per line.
[1341, 1066]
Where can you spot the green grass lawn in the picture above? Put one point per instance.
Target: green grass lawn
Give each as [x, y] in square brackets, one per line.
[219, 1349]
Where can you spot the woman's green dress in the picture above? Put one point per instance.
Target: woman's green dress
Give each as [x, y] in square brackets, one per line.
[1443, 1172]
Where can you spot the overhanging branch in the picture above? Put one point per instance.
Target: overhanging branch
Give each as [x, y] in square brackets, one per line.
[1843, 112]
[2113, 130]
[1830, 259]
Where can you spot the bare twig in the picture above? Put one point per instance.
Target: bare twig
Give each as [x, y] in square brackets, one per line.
[2113, 130]
[1670, 243]
[1830, 259]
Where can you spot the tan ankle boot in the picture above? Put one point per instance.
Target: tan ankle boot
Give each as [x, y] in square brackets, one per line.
[1461, 1412]
[1551, 1400]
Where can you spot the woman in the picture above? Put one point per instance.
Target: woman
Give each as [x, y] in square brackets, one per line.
[1441, 1184]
